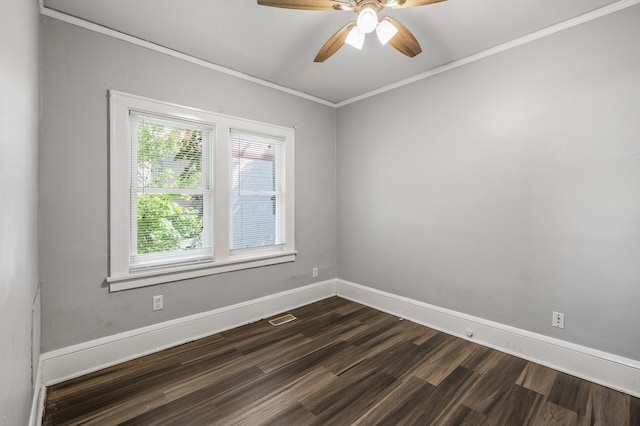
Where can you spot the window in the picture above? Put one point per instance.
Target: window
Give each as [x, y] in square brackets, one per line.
[256, 191]
[194, 193]
[170, 196]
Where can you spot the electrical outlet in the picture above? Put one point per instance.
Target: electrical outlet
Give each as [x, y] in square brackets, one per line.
[157, 302]
[314, 272]
[558, 320]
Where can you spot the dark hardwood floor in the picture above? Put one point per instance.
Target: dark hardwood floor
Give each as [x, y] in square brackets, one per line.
[339, 363]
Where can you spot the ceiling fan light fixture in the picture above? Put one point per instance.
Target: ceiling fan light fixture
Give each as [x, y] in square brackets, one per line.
[355, 38]
[385, 31]
[389, 31]
[367, 20]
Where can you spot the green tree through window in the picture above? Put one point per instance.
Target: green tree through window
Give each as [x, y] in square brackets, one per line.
[169, 158]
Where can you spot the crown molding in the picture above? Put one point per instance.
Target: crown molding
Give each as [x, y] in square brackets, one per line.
[590, 16]
[45, 11]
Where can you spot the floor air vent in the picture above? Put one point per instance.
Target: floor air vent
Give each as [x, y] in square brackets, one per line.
[282, 320]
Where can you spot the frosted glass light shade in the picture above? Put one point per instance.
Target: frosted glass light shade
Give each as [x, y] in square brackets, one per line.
[367, 20]
[355, 38]
[385, 31]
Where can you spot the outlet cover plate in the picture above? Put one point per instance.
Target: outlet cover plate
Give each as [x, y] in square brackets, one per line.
[558, 320]
[158, 303]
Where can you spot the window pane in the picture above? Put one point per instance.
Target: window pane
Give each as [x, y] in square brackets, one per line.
[255, 191]
[255, 171]
[169, 155]
[254, 221]
[169, 184]
[169, 222]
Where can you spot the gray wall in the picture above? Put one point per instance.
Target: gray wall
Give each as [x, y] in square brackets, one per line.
[507, 188]
[79, 66]
[19, 117]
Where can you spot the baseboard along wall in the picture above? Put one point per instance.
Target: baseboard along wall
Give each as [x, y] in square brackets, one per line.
[39, 393]
[74, 361]
[600, 367]
[607, 369]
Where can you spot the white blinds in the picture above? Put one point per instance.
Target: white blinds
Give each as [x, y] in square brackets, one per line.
[256, 191]
[170, 191]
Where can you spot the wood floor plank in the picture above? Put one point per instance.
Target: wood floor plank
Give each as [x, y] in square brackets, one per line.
[123, 410]
[233, 373]
[443, 361]
[462, 415]
[634, 411]
[279, 359]
[290, 343]
[338, 363]
[193, 401]
[473, 418]
[391, 361]
[349, 397]
[295, 414]
[483, 359]
[391, 336]
[391, 409]
[238, 398]
[518, 406]
[608, 407]
[138, 367]
[444, 398]
[104, 381]
[282, 403]
[570, 392]
[421, 334]
[366, 315]
[494, 384]
[538, 378]
[553, 415]
[381, 325]
[85, 402]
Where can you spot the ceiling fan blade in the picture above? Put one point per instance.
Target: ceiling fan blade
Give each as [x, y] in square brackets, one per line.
[304, 4]
[411, 3]
[403, 41]
[334, 43]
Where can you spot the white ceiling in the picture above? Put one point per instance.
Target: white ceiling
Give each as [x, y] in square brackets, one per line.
[279, 45]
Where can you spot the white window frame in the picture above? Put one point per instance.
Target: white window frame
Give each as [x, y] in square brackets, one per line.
[121, 275]
[147, 260]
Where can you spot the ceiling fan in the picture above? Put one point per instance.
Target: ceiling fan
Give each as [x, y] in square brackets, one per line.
[387, 29]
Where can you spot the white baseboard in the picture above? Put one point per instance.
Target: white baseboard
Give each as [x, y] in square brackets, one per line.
[600, 367]
[74, 361]
[607, 369]
[37, 402]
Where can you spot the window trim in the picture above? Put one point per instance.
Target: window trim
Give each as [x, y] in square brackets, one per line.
[121, 277]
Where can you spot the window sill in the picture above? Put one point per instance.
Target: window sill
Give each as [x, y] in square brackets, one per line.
[157, 276]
